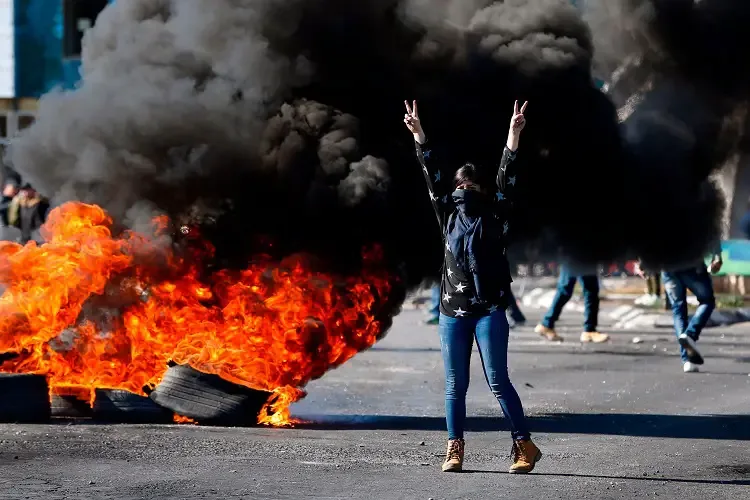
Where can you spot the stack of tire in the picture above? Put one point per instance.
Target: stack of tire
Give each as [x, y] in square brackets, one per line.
[204, 398]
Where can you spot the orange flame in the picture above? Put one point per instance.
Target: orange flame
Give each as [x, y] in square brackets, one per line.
[179, 419]
[91, 310]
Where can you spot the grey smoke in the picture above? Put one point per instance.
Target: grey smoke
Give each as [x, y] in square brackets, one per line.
[286, 114]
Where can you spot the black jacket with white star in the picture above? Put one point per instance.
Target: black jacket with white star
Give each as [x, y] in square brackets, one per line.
[458, 297]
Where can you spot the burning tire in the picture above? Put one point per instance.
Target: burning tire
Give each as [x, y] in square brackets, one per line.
[112, 405]
[24, 398]
[69, 406]
[208, 399]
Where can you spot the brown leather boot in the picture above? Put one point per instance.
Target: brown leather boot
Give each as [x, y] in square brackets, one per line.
[595, 337]
[525, 456]
[548, 333]
[454, 456]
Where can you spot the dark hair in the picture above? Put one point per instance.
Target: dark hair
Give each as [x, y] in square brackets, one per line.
[467, 173]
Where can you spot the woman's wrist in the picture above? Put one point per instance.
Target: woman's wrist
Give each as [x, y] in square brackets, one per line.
[420, 138]
[513, 140]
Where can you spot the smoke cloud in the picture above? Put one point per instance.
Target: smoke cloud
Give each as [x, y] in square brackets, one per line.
[283, 119]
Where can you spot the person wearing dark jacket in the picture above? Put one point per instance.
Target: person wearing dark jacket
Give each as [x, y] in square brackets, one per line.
[474, 286]
[11, 184]
[27, 212]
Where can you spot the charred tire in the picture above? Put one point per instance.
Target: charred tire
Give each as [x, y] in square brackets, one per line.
[208, 399]
[69, 406]
[24, 398]
[117, 406]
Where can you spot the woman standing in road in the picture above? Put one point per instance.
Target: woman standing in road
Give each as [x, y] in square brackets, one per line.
[474, 286]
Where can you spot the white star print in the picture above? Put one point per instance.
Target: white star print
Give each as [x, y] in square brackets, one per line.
[432, 196]
[506, 226]
[437, 176]
[474, 301]
[512, 180]
[425, 169]
[447, 297]
[459, 312]
[460, 288]
[500, 196]
[450, 272]
[493, 309]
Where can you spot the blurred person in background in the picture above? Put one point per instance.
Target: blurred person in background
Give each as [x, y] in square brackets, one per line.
[514, 313]
[745, 222]
[653, 291]
[677, 282]
[11, 183]
[433, 313]
[565, 286]
[27, 212]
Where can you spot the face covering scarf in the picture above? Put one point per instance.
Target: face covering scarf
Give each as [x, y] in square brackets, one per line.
[465, 232]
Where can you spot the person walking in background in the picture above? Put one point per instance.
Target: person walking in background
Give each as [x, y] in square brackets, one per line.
[474, 286]
[515, 315]
[565, 285]
[653, 291]
[433, 313]
[11, 184]
[745, 222]
[697, 279]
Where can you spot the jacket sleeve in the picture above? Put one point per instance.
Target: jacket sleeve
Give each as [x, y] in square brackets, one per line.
[506, 175]
[438, 182]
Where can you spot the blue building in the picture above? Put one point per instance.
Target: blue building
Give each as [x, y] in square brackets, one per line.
[40, 49]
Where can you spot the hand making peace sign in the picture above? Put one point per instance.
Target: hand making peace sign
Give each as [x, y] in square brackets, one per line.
[411, 119]
[518, 121]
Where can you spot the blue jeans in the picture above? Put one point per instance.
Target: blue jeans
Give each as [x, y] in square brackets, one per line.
[677, 283]
[456, 340]
[565, 286]
[434, 310]
[513, 309]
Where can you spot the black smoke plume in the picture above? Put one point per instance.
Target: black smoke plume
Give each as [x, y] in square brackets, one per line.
[282, 119]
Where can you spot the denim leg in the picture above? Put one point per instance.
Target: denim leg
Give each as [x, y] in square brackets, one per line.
[456, 340]
[699, 282]
[492, 341]
[590, 285]
[677, 293]
[434, 311]
[515, 311]
[565, 286]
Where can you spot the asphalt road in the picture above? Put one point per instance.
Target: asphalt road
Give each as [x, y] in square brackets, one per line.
[614, 421]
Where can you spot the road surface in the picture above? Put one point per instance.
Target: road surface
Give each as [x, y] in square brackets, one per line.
[614, 421]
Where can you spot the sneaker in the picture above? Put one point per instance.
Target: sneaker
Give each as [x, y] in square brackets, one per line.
[454, 456]
[595, 337]
[525, 455]
[431, 321]
[689, 367]
[688, 343]
[548, 333]
[650, 301]
[642, 299]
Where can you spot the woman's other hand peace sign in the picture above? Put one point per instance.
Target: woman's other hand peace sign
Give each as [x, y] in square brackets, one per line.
[517, 123]
[411, 119]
